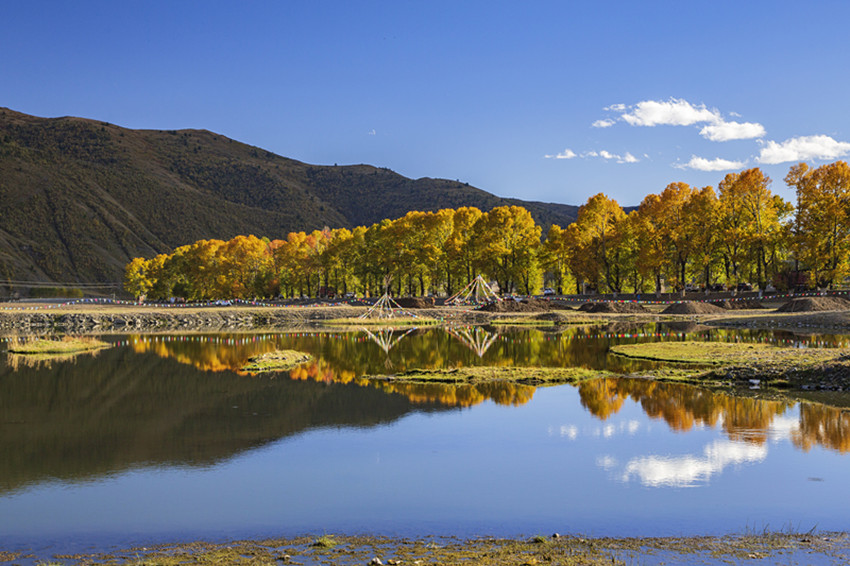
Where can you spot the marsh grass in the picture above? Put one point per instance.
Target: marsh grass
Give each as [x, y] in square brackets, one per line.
[484, 374]
[325, 541]
[769, 547]
[64, 345]
[726, 353]
[41, 352]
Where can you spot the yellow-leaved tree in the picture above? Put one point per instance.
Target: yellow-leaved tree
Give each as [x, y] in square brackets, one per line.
[600, 242]
[508, 239]
[754, 223]
[822, 231]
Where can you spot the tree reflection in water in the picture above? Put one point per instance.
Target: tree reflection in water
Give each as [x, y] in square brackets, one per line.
[743, 419]
[347, 357]
[822, 425]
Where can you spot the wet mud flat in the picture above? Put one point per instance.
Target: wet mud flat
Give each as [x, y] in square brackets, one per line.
[803, 548]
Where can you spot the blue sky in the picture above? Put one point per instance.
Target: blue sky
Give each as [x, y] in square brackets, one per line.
[551, 101]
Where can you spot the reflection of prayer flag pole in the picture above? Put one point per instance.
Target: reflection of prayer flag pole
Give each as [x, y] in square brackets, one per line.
[478, 340]
[478, 291]
[384, 338]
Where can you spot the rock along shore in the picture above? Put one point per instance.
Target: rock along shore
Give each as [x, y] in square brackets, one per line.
[107, 318]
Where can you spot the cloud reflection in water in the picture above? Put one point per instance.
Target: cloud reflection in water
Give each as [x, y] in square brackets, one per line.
[691, 470]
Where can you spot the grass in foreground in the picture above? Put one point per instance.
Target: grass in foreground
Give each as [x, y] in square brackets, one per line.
[542, 549]
[279, 360]
[66, 345]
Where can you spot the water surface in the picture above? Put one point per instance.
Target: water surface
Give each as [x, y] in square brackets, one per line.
[160, 438]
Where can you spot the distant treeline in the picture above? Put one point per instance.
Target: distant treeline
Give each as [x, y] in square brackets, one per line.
[685, 235]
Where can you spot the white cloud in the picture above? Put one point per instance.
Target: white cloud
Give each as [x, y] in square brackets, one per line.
[802, 149]
[372, 132]
[725, 131]
[679, 112]
[604, 154]
[607, 155]
[566, 154]
[718, 164]
[673, 112]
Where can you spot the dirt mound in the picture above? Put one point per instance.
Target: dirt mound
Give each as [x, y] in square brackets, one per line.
[555, 304]
[690, 307]
[815, 304]
[739, 305]
[510, 305]
[414, 303]
[613, 307]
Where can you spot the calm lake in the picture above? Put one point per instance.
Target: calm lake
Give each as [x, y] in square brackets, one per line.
[159, 438]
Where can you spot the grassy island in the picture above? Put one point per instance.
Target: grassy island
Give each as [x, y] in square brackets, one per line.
[726, 353]
[279, 360]
[66, 345]
[486, 374]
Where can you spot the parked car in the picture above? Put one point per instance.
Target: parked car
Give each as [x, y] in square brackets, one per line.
[548, 291]
[744, 287]
[718, 287]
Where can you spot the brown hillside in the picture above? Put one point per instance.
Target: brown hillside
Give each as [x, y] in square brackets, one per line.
[79, 198]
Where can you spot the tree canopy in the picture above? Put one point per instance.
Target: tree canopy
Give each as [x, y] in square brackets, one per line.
[682, 236]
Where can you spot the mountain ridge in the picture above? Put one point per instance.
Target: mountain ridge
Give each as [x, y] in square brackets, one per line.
[79, 197]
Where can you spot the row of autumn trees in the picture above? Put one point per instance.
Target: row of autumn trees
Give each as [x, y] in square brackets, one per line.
[739, 232]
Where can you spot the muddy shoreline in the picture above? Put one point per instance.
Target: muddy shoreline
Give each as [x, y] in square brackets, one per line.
[85, 318]
[809, 547]
[89, 318]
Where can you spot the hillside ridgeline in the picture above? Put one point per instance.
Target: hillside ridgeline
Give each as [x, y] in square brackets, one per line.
[80, 198]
